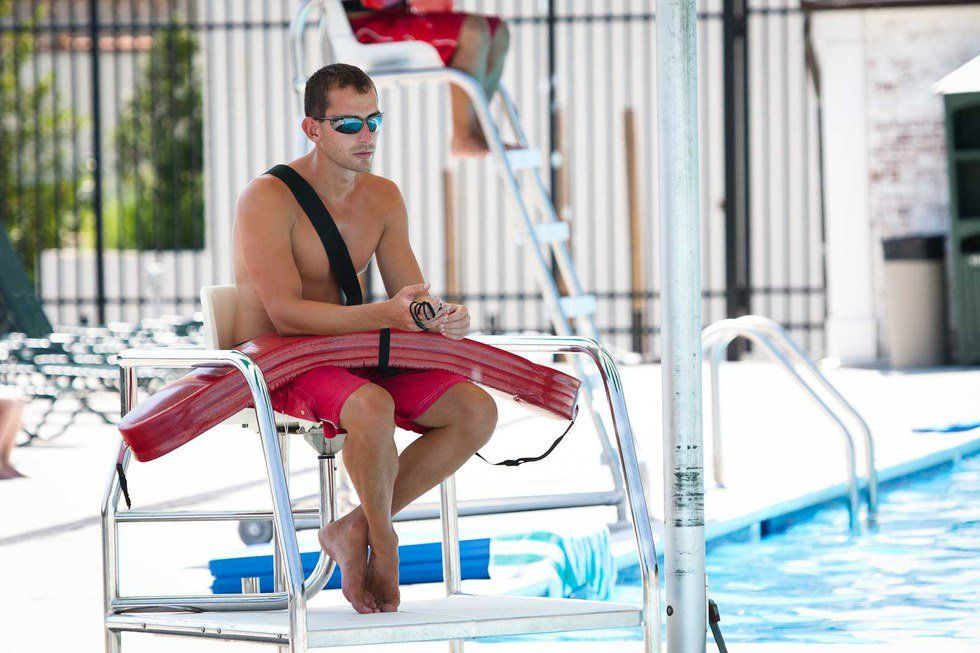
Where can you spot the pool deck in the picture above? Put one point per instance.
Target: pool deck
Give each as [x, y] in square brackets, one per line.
[782, 456]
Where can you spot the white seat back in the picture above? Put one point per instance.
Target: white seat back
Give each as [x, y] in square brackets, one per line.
[218, 304]
[373, 57]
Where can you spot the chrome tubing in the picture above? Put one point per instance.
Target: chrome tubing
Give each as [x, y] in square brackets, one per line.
[451, 574]
[128, 393]
[717, 337]
[278, 573]
[282, 517]
[212, 602]
[283, 525]
[628, 461]
[296, 28]
[782, 338]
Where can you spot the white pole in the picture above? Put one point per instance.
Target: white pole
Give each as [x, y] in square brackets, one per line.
[677, 124]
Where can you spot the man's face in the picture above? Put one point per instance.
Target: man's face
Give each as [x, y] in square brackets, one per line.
[354, 152]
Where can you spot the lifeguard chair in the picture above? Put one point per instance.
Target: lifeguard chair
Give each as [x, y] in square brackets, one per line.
[283, 618]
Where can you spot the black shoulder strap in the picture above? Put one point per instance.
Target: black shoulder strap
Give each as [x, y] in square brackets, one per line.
[333, 242]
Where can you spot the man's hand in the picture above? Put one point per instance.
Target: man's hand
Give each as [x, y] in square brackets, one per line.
[455, 321]
[400, 306]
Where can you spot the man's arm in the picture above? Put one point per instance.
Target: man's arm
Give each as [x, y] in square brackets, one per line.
[265, 236]
[396, 260]
[399, 268]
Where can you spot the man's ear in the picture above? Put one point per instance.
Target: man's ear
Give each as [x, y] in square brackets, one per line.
[311, 128]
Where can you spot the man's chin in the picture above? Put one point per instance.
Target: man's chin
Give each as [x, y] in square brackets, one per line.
[362, 164]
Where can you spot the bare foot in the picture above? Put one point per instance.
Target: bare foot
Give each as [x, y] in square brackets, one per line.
[472, 145]
[8, 472]
[382, 577]
[346, 542]
[469, 145]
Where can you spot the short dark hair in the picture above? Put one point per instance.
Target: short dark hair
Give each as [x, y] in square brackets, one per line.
[336, 75]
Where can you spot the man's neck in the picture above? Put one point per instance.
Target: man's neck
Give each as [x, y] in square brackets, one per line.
[329, 179]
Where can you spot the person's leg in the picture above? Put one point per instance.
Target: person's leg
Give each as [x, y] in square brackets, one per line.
[499, 44]
[461, 421]
[470, 57]
[371, 460]
[11, 410]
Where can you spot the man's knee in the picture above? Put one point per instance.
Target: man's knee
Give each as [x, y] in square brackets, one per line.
[501, 40]
[369, 411]
[474, 33]
[477, 411]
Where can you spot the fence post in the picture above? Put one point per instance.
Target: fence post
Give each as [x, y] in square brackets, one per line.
[97, 163]
[736, 101]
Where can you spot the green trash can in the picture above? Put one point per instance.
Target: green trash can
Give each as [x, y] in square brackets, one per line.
[915, 300]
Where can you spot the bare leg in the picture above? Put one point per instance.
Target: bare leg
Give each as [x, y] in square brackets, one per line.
[11, 410]
[371, 459]
[462, 421]
[499, 45]
[470, 57]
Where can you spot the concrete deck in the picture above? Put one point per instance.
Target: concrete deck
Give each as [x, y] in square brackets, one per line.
[780, 452]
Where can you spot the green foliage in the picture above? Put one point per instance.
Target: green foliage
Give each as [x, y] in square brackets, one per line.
[37, 192]
[159, 142]
[47, 189]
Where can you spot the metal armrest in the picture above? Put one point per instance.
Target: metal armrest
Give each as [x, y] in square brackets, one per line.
[294, 597]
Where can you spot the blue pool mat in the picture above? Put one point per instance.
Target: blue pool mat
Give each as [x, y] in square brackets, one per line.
[574, 560]
[956, 427]
[418, 563]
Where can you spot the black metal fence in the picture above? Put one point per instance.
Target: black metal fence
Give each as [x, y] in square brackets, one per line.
[130, 126]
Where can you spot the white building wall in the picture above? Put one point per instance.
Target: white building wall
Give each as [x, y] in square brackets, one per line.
[884, 149]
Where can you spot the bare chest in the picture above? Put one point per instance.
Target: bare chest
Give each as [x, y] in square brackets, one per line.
[360, 234]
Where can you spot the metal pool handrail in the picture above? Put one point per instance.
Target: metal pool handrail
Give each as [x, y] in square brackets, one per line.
[776, 342]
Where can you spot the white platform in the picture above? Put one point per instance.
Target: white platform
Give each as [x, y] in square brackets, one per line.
[456, 617]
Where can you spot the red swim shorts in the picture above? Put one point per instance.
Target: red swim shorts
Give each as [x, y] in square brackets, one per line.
[441, 29]
[319, 395]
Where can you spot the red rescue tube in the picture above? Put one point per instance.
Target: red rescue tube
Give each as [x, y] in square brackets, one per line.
[205, 397]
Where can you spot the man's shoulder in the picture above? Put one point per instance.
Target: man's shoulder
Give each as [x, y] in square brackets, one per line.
[380, 187]
[265, 198]
[265, 190]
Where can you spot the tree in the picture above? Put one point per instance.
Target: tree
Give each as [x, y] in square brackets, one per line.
[37, 193]
[160, 144]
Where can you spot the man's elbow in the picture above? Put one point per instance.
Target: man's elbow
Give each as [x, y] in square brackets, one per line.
[283, 329]
[284, 321]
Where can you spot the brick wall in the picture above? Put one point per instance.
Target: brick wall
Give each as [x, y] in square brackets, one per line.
[907, 50]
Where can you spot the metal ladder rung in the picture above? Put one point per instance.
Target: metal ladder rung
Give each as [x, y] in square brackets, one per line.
[552, 232]
[526, 159]
[578, 306]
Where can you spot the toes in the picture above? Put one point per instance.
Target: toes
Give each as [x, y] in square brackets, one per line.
[370, 601]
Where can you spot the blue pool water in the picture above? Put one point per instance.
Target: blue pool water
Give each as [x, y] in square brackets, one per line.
[917, 575]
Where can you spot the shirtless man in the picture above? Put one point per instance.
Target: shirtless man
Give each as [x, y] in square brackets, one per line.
[285, 285]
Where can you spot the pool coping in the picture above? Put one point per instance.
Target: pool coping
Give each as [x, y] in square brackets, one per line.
[779, 516]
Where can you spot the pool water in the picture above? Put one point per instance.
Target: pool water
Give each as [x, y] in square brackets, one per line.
[916, 576]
